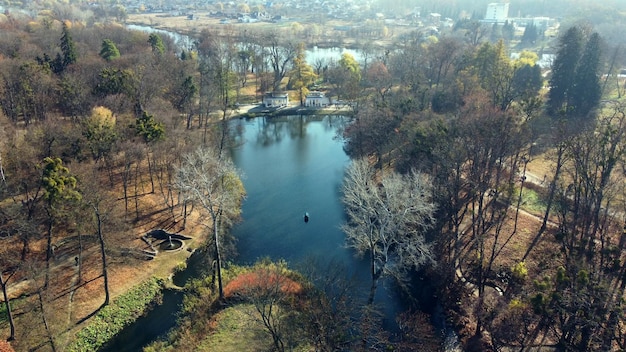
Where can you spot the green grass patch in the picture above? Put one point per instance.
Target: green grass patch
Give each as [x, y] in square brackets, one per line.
[17, 304]
[532, 201]
[4, 316]
[111, 319]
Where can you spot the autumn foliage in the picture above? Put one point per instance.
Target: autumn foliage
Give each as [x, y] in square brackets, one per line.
[5, 347]
[262, 279]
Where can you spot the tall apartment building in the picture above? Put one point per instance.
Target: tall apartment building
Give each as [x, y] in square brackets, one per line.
[497, 12]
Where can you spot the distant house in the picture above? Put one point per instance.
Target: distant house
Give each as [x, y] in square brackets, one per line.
[434, 18]
[316, 99]
[275, 99]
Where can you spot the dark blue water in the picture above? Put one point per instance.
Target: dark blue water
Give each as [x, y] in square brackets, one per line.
[291, 166]
[148, 327]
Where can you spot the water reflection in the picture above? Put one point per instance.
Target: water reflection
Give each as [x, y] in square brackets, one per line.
[292, 165]
[295, 165]
[271, 130]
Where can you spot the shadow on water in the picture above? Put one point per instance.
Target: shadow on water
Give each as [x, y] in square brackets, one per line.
[146, 329]
[195, 268]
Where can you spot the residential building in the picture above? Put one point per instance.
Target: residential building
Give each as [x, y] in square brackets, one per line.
[497, 12]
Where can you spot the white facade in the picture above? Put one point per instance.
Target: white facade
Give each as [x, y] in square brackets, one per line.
[497, 12]
[316, 99]
[275, 99]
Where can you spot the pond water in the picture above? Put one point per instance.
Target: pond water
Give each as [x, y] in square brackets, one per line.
[291, 166]
[326, 55]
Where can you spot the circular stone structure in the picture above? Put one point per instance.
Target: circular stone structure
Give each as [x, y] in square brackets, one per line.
[171, 245]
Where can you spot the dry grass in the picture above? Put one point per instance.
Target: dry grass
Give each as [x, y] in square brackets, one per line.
[73, 296]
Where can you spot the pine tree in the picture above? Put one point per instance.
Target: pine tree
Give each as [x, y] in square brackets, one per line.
[564, 69]
[109, 51]
[68, 48]
[508, 31]
[156, 43]
[530, 34]
[586, 89]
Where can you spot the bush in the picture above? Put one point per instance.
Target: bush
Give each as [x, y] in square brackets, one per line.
[111, 319]
[519, 271]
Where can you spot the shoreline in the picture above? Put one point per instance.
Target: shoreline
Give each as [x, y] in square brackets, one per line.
[204, 21]
[252, 111]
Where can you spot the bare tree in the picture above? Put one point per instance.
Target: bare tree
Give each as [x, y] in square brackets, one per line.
[332, 307]
[269, 291]
[387, 220]
[13, 225]
[213, 182]
[99, 215]
[280, 57]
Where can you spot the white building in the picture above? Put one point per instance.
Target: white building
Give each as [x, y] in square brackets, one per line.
[275, 99]
[317, 99]
[497, 12]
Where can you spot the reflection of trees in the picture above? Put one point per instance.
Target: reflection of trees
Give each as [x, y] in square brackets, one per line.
[274, 130]
[269, 132]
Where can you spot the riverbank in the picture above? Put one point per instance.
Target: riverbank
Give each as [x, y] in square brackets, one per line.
[334, 35]
[255, 110]
[110, 320]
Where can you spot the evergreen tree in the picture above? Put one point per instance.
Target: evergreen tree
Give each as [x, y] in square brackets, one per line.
[527, 81]
[68, 48]
[508, 31]
[148, 128]
[156, 43]
[530, 34]
[109, 51]
[564, 69]
[586, 89]
[496, 32]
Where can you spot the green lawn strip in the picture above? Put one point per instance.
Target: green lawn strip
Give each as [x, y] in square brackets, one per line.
[533, 202]
[111, 319]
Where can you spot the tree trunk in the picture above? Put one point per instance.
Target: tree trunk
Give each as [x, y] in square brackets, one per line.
[218, 259]
[125, 179]
[7, 304]
[104, 259]
[184, 214]
[79, 258]
[150, 169]
[136, 188]
[375, 277]
[45, 322]
[49, 251]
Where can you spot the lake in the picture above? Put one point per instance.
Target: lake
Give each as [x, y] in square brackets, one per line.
[291, 165]
[294, 165]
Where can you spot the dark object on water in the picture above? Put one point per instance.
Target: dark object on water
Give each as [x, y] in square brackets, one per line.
[306, 217]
